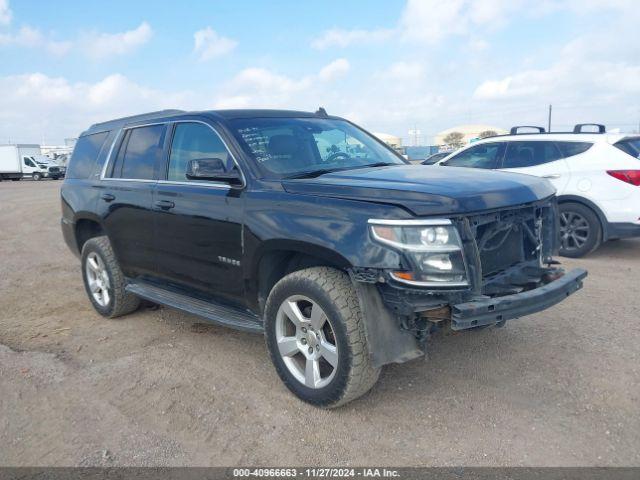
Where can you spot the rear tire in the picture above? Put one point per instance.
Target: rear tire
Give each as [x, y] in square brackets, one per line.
[323, 357]
[16, 179]
[104, 281]
[580, 230]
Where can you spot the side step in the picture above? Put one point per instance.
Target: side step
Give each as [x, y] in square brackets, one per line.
[213, 312]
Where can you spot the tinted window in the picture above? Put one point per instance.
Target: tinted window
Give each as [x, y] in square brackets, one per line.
[28, 162]
[529, 154]
[85, 155]
[630, 146]
[293, 146]
[139, 152]
[192, 141]
[479, 156]
[569, 149]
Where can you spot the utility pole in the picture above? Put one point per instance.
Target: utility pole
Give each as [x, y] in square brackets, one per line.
[549, 123]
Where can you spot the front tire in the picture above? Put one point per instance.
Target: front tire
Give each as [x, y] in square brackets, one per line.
[37, 176]
[104, 281]
[315, 335]
[580, 230]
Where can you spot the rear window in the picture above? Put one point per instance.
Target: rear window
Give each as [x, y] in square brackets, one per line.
[139, 153]
[630, 146]
[85, 155]
[569, 149]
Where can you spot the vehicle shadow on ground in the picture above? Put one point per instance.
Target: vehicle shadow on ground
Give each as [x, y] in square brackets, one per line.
[626, 248]
[466, 367]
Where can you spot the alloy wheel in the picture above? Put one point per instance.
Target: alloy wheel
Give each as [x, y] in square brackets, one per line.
[574, 231]
[98, 279]
[306, 341]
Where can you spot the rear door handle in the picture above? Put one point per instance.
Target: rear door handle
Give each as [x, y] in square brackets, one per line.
[552, 175]
[165, 204]
[107, 197]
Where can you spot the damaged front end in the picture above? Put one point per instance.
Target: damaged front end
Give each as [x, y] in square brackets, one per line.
[460, 273]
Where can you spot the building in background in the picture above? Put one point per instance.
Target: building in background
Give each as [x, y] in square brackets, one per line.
[461, 135]
[393, 141]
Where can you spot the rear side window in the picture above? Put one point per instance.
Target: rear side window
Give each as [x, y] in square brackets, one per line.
[569, 149]
[139, 153]
[529, 154]
[85, 155]
[630, 146]
[479, 156]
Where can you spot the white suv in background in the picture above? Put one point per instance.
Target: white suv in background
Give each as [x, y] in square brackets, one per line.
[596, 175]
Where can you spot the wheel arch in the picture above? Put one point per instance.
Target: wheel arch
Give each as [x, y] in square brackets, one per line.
[591, 205]
[278, 258]
[86, 227]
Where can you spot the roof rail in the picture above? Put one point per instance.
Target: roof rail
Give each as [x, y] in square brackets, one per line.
[143, 116]
[578, 127]
[514, 130]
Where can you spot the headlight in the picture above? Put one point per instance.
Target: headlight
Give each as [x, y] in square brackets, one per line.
[433, 248]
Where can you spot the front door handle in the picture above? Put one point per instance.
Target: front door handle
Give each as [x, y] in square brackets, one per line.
[552, 175]
[107, 197]
[165, 204]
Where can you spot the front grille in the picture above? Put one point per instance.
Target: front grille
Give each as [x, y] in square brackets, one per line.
[505, 252]
[54, 169]
[507, 238]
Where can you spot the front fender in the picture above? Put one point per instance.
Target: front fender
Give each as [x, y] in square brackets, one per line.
[329, 228]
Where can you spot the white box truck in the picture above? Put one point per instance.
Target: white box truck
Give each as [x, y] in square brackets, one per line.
[20, 161]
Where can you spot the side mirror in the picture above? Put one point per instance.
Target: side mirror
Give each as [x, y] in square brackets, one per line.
[212, 169]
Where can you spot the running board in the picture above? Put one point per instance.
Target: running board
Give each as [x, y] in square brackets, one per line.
[213, 312]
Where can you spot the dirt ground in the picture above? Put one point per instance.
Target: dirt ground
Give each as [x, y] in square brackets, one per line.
[158, 387]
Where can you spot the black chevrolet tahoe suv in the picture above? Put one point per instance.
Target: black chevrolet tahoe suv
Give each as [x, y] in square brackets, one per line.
[306, 228]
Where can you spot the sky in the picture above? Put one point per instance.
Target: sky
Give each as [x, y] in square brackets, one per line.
[391, 65]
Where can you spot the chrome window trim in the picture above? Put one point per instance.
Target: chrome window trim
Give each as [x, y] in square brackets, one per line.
[119, 136]
[115, 141]
[413, 222]
[139, 180]
[212, 184]
[107, 160]
[204, 182]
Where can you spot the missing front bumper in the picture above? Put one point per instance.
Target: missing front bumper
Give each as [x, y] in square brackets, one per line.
[496, 310]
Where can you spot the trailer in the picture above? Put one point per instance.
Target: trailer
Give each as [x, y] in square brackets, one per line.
[18, 161]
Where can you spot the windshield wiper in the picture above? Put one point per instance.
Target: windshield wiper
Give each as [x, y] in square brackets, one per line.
[378, 164]
[322, 171]
[315, 173]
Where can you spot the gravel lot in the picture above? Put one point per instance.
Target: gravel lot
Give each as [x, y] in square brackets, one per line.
[161, 388]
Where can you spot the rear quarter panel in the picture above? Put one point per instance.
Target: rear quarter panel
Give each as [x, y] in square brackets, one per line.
[619, 201]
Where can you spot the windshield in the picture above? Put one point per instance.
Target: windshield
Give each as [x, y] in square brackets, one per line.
[290, 147]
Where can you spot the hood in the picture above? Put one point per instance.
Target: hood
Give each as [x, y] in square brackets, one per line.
[428, 190]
